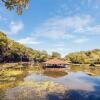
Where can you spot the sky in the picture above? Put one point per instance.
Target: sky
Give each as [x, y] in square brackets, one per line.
[55, 25]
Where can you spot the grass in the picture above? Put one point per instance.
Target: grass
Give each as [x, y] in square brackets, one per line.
[10, 75]
[12, 72]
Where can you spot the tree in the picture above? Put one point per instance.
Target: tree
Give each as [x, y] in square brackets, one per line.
[11, 51]
[84, 56]
[44, 55]
[18, 5]
[3, 45]
[56, 55]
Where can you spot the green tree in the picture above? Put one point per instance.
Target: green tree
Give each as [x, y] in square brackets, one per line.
[44, 55]
[56, 55]
[91, 56]
[3, 45]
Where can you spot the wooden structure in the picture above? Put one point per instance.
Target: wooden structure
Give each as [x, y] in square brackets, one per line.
[55, 65]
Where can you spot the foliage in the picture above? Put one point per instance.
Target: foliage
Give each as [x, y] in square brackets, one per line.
[56, 55]
[11, 51]
[19, 5]
[86, 57]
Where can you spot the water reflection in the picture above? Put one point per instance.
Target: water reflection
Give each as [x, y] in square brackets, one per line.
[71, 81]
[77, 83]
[55, 74]
[92, 71]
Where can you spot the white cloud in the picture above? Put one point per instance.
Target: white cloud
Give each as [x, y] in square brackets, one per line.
[59, 45]
[90, 30]
[80, 23]
[68, 27]
[28, 41]
[15, 27]
[93, 29]
[63, 27]
[81, 40]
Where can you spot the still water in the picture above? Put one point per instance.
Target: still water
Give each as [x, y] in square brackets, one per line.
[77, 83]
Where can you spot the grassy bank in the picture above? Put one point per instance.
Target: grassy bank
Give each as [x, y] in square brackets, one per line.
[98, 65]
[10, 75]
[13, 73]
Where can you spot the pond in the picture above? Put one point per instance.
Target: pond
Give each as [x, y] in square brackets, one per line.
[76, 83]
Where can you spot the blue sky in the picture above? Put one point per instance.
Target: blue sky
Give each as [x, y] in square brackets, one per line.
[55, 25]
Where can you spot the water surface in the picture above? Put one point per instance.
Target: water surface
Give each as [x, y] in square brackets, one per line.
[76, 83]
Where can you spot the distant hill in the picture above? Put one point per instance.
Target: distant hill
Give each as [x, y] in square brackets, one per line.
[11, 51]
[92, 56]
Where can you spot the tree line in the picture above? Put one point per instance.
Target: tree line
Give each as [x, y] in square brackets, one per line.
[84, 57]
[11, 51]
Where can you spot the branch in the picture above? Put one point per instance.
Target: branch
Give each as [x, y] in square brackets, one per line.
[8, 3]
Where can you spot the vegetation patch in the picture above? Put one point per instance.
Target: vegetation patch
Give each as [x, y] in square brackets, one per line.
[44, 87]
[10, 75]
